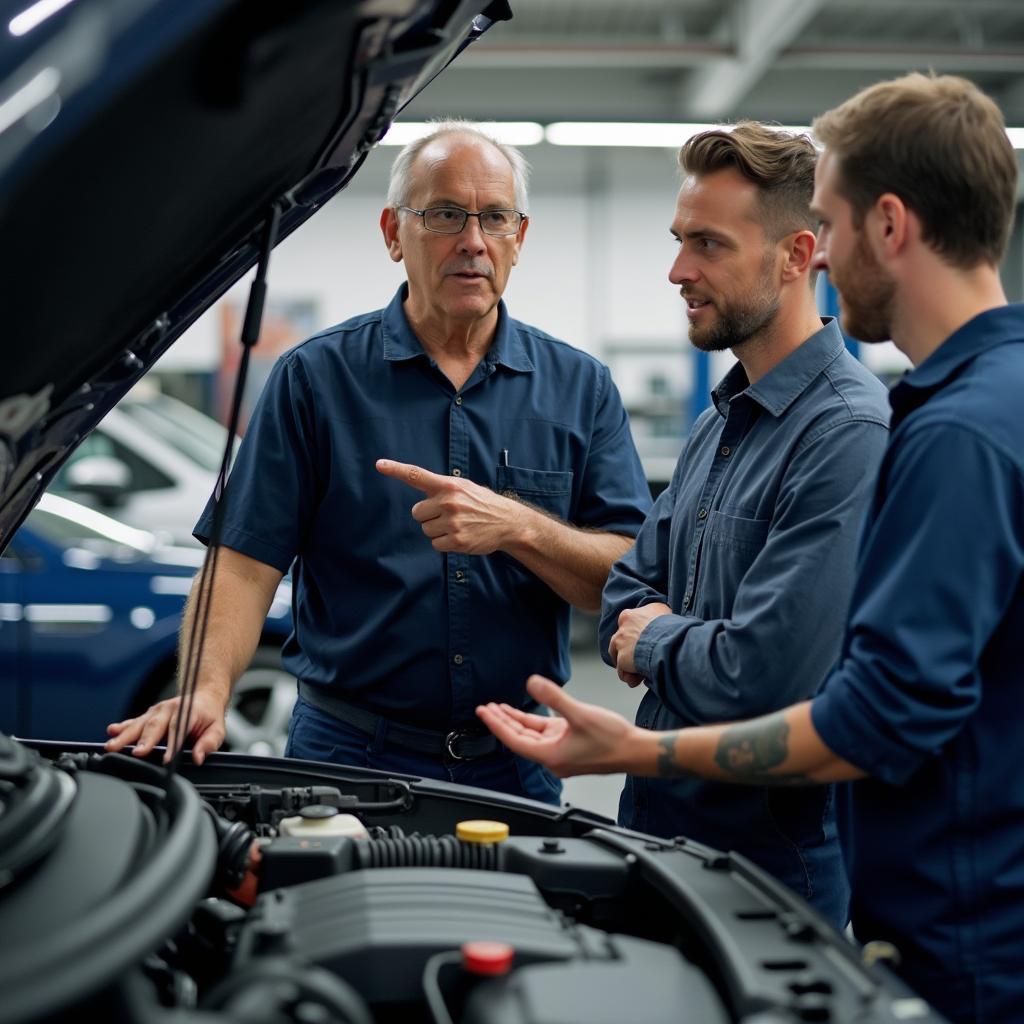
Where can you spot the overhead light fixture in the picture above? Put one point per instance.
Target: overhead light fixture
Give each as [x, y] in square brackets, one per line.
[34, 15]
[656, 134]
[514, 133]
[636, 134]
[667, 135]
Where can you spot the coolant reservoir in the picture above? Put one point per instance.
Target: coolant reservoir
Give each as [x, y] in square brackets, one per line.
[318, 820]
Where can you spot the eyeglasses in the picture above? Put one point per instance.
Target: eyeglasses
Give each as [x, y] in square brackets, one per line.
[450, 220]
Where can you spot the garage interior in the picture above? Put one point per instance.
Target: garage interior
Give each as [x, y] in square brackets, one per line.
[621, 84]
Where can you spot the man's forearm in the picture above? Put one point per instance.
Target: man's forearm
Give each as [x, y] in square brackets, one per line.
[574, 563]
[238, 603]
[780, 749]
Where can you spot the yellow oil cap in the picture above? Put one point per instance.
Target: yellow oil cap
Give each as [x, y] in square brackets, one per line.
[482, 831]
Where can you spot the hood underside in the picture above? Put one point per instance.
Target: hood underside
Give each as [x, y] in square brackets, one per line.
[142, 144]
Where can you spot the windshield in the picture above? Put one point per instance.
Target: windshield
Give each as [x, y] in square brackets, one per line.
[64, 523]
[193, 434]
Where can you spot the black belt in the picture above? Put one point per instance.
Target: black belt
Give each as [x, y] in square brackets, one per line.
[452, 747]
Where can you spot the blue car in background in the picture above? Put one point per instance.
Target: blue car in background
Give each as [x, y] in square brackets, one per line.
[89, 617]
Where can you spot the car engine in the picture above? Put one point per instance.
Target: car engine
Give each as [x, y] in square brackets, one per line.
[271, 891]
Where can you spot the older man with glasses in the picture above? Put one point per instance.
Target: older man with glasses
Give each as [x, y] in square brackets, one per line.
[436, 578]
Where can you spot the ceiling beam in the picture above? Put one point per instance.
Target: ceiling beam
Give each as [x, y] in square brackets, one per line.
[761, 30]
[931, 7]
[898, 58]
[807, 54]
[598, 53]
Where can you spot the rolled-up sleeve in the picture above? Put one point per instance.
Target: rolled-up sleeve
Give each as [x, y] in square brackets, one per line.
[940, 566]
[784, 629]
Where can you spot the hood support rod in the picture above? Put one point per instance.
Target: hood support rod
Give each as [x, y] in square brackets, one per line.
[203, 587]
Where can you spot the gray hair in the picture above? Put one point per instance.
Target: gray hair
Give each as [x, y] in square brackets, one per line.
[400, 182]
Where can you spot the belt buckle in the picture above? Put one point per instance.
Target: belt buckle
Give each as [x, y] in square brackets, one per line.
[449, 745]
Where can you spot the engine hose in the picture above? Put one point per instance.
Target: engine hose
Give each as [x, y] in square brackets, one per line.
[418, 851]
[270, 990]
[234, 847]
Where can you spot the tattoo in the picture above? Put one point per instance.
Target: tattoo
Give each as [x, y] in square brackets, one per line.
[750, 751]
[668, 767]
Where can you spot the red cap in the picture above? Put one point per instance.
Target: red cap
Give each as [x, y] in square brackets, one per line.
[487, 958]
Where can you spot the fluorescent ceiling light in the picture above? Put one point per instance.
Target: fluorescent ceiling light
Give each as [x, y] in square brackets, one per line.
[1016, 137]
[669, 135]
[34, 15]
[666, 135]
[515, 133]
[638, 134]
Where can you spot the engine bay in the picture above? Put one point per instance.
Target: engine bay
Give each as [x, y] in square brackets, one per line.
[270, 891]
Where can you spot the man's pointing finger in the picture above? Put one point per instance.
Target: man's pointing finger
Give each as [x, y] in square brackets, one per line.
[414, 476]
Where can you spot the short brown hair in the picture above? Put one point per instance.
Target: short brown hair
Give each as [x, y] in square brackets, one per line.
[779, 163]
[940, 144]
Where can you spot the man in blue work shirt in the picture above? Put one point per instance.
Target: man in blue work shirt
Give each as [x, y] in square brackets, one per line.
[408, 613]
[915, 193]
[741, 575]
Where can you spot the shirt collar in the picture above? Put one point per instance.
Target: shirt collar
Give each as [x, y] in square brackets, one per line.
[981, 333]
[401, 342]
[783, 384]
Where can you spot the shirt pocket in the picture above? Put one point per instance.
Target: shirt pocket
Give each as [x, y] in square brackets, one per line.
[546, 489]
[550, 490]
[731, 543]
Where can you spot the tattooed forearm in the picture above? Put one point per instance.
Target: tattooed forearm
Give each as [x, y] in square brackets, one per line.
[750, 751]
[667, 766]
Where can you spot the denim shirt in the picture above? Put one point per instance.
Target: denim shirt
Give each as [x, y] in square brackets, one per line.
[753, 547]
[380, 616]
[929, 695]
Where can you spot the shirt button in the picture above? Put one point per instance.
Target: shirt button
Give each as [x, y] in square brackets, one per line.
[702, 513]
[726, 450]
[460, 575]
[458, 399]
[457, 659]
[456, 472]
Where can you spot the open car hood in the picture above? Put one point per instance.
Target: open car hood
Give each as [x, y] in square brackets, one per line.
[142, 144]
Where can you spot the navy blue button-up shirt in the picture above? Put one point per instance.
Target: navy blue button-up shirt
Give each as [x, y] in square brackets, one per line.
[380, 616]
[929, 695]
[753, 546]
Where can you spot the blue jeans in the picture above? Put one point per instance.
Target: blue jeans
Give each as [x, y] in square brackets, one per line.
[316, 736]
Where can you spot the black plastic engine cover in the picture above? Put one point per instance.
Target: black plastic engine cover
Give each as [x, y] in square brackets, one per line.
[376, 929]
[647, 983]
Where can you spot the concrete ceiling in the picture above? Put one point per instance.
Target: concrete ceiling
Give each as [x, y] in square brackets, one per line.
[708, 60]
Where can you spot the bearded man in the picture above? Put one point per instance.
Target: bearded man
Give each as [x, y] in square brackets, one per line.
[742, 573]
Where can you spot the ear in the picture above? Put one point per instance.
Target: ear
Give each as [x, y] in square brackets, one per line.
[520, 236]
[389, 227]
[888, 226]
[798, 254]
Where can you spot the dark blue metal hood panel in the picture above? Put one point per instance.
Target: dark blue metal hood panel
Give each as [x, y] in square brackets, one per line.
[142, 143]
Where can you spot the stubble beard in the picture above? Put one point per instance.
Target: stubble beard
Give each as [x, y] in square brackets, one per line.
[738, 322]
[867, 296]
